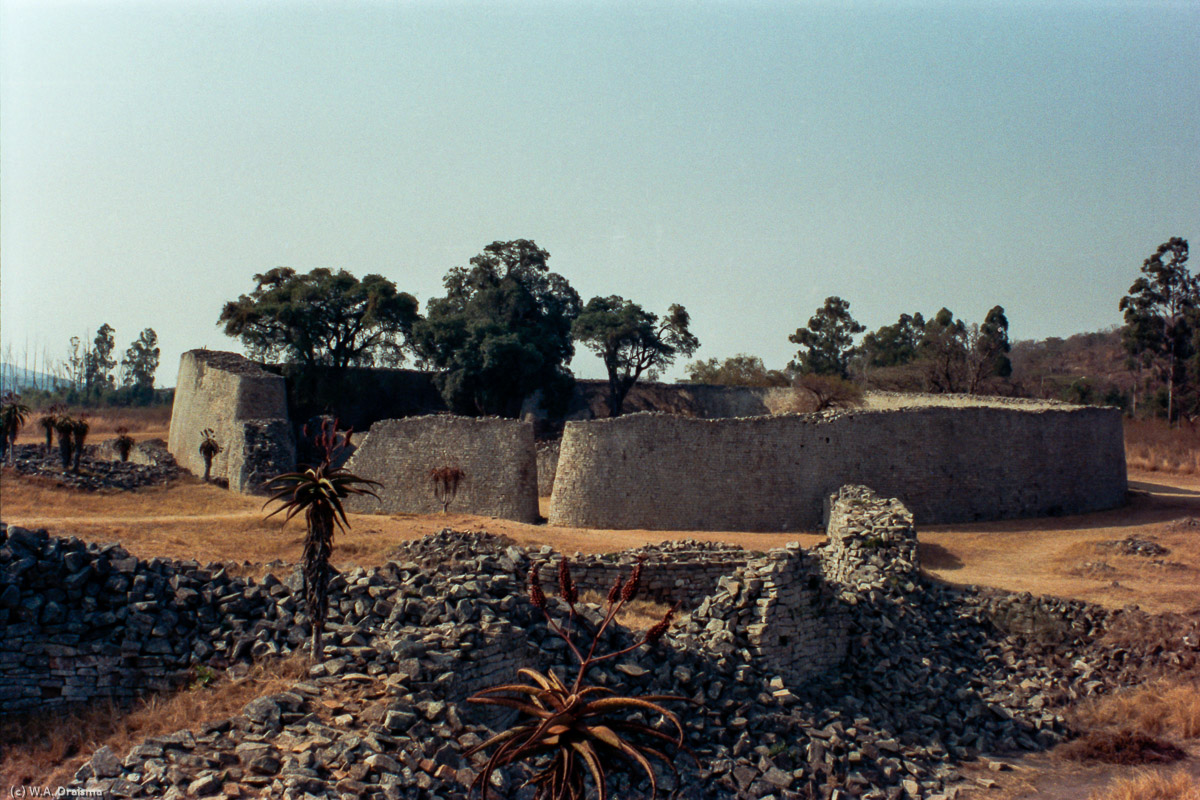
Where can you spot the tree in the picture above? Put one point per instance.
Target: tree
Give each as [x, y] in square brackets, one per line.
[318, 492]
[739, 370]
[322, 318]
[894, 345]
[632, 342]
[1161, 312]
[829, 391]
[828, 341]
[98, 361]
[944, 349]
[140, 362]
[502, 332]
[987, 350]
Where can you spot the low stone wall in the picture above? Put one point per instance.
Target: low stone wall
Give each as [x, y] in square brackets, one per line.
[871, 538]
[80, 622]
[946, 464]
[495, 455]
[245, 405]
[149, 452]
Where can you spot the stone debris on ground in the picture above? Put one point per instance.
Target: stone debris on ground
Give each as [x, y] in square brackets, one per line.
[1133, 546]
[921, 677]
[100, 467]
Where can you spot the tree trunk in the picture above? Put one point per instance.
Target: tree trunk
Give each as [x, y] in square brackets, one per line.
[207, 467]
[318, 546]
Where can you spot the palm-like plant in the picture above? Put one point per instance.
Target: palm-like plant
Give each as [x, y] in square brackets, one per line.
[209, 447]
[446, 481]
[584, 729]
[80, 428]
[13, 414]
[124, 443]
[65, 426]
[318, 492]
[47, 422]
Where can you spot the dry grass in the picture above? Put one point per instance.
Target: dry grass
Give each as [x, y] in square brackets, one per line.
[46, 749]
[1152, 785]
[637, 615]
[1163, 708]
[1151, 446]
[143, 423]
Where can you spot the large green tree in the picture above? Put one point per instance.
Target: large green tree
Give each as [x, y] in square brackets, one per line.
[98, 361]
[322, 318]
[501, 332]
[1161, 316]
[140, 363]
[632, 342]
[894, 345]
[943, 348]
[828, 341]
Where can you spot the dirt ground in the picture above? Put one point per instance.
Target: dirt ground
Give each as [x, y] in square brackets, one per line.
[1056, 556]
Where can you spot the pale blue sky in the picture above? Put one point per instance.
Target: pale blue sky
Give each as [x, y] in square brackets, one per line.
[744, 159]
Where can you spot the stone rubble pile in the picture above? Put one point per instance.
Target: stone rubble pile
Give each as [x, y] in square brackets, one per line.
[1134, 546]
[922, 675]
[95, 470]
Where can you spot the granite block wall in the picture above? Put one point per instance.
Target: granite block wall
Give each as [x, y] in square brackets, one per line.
[245, 405]
[496, 456]
[946, 464]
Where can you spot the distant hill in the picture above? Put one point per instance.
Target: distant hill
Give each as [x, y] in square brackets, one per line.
[1086, 367]
[18, 379]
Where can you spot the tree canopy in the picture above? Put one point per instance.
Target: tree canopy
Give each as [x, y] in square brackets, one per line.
[98, 361]
[140, 363]
[632, 341]
[828, 341]
[895, 345]
[322, 318]
[1162, 316]
[740, 370]
[501, 332]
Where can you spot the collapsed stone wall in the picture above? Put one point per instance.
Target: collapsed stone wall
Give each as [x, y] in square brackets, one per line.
[245, 405]
[495, 455]
[80, 622]
[946, 464]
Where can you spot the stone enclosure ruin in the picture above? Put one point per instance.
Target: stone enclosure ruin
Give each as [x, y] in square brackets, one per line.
[956, 459]
[839, 665]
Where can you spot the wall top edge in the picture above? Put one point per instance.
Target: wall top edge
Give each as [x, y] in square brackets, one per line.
[225, 361]
[825, 417]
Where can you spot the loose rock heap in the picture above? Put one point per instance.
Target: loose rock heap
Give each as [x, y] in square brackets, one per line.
[154, 467]
[931, 675]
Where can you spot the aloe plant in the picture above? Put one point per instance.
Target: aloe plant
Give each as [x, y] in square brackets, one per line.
[124, 443]
[583, 729]
[209, 447]
[79, 427]
[446, 481]
[13, 414]
[65, 426]
[318, 492]
[47, 422]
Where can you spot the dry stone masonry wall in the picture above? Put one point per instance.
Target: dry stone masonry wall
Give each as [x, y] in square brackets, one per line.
[496, 457]
[245, 405]
[946, 464]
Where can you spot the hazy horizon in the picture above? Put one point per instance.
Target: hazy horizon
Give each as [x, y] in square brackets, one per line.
[745, 160]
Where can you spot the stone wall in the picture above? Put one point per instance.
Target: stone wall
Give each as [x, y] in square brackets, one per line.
[946, 464]
[495, 455]
[80, 622]
[547, 462]
[245, 405]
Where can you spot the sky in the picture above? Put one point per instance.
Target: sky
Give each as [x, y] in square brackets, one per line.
[744, 159]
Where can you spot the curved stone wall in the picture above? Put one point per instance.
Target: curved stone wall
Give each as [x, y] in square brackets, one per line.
[495, 455]
[946, 464]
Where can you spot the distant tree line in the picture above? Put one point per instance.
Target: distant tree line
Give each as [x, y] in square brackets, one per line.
[506, 328]
[95, 374]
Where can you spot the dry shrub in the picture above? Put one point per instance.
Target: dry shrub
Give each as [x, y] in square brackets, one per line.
[1152, 785]
[1123, 746]
[1163, 708]
[1153, 446]
[45, 748]
[637, 615]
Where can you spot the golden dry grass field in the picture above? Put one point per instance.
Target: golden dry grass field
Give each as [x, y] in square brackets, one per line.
[1057, 556]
